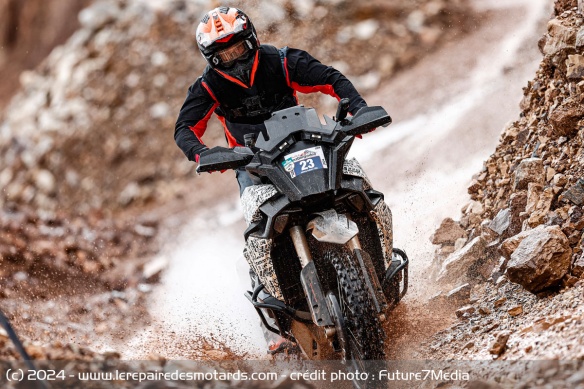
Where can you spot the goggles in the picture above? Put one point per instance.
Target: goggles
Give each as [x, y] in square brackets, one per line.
[227, 57]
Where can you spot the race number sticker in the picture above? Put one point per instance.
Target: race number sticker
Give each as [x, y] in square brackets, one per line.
[304, 161]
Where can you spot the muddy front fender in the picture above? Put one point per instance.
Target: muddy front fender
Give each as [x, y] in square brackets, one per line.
[330, 227]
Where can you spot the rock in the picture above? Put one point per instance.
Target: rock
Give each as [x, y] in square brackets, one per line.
[576, 215]
[486, 232]
[366, 29]
[153, 269]
[565, 118]
[549, 174]
[465, 311]
[484, 311]
[98, 15]
[501, 222]
[499, 302]
[517, 204]
[541, 259]
[475, 207]
[457, 265]
[576, 193]
[510, 245]
[498, 347]
[448, 232]
[159, 59]
[460, 242]
[159, 110]
[145, 231]
[515, 311]
[45, 181]
[538, 204]
[578, 267]
[559, 180]
[530, 170]
[459, 295]
[569, 281]
[575, 65]
[580, 37]
[129, 194]
[499, 269]
[559, 37]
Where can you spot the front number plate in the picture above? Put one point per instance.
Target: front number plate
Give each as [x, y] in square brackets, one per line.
[304, 161]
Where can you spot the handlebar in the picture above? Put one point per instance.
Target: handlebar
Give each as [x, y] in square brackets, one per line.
[222, 158]
[365, 120]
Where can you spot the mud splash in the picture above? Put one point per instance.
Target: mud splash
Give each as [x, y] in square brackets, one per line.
[200, 304]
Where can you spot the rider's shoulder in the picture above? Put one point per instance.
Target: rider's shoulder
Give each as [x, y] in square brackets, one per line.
[273, 50]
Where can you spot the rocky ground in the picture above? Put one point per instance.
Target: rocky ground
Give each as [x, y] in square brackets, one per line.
[513, 263]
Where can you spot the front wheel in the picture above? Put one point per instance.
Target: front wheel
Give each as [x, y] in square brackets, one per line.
[364, 337]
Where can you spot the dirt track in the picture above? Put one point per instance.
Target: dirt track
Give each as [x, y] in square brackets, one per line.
[448, 111]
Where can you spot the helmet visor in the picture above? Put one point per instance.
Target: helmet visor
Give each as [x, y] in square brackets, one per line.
[230, 55]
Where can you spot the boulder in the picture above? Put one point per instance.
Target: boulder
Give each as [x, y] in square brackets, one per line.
[541, 260]
[448, 232]
[529, 170]
[456, 267]
[564, 119]
[559, 37]
[576, 193]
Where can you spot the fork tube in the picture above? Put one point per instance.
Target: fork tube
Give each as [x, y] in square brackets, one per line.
[301, 245]
[354, 243]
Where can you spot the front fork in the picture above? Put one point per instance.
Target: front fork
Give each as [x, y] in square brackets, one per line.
[313, 289]
[311, 284]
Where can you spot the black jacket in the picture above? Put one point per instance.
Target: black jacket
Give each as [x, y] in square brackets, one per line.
[280, 73]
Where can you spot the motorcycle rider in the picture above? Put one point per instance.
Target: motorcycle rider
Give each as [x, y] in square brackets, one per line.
[245, 81]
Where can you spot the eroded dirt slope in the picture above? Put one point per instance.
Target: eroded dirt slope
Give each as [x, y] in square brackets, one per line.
[516, 252]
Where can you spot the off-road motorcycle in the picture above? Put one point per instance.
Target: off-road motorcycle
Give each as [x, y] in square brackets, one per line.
[319, 237]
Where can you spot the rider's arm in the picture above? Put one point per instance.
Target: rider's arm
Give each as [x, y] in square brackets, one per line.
[192, 120]
[307, 75]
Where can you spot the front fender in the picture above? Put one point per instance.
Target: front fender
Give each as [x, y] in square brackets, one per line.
[331, 227]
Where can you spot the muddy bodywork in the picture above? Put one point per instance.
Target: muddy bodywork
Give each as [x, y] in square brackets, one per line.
[257, 202]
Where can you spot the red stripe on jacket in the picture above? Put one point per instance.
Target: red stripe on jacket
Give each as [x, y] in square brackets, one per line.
[326, 89]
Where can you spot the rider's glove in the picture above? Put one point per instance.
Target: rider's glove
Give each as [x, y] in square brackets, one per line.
[198, 155]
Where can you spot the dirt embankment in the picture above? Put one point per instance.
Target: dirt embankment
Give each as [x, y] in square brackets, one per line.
[86, 146]
[513, 263]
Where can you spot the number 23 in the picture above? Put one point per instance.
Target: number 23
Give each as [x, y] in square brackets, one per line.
[307, 165]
